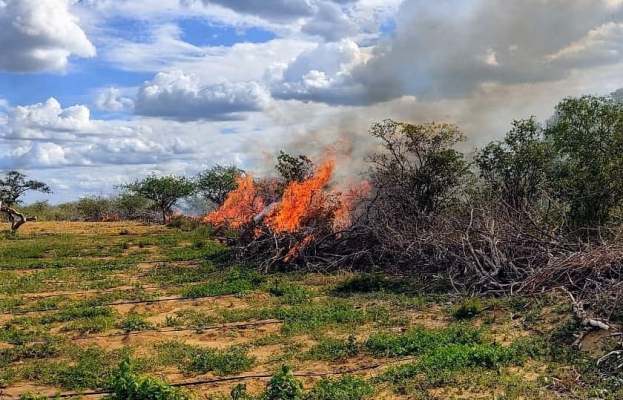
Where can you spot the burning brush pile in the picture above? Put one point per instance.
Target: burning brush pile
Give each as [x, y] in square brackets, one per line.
[303, 221]
[503, 223]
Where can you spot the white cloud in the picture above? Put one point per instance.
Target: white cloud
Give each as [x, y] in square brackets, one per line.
[182, 96]
[111, 99]
[40, 35]
[46, 135]
[330, 22]
[322, 74]
[46, 120]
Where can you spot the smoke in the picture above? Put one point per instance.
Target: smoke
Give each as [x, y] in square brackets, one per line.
[477, 64]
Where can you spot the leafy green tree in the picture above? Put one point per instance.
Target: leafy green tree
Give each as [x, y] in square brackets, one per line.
[294, 168]
[215, 183]
[94, 208]
[164, 191]
[518, 167]
[15, 184]
[418, 170]
[131, 205]
[587, 136]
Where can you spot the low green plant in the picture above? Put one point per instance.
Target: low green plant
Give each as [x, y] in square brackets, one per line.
[289, 293]
[344, 388]
[127, 385]
[135, 323]
[203, 360]
[468, 309]
[420, 340]
[284, 386]
[222, 362]
[331, 349]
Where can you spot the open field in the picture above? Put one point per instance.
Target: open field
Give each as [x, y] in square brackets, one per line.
[76, 298]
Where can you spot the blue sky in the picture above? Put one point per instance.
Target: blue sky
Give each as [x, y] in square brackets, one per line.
[94, 93]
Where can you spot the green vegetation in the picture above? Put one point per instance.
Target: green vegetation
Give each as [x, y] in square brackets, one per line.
[202, 360]
[73, 338]
[127, 385]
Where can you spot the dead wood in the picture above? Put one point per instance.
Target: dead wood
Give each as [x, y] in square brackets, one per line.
[16, 218]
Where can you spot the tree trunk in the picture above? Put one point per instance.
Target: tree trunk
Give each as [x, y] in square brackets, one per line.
[16, 218]
[164, 216]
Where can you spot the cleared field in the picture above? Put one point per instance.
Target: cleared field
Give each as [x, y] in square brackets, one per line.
[78, 298]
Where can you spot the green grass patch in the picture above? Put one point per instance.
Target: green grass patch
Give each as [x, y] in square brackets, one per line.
[193, 359]
[420, 340]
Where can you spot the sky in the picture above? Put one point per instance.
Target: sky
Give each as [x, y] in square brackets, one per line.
[96, 93]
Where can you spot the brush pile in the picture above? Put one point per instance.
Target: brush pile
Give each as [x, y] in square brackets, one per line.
[527, 215]
[308, 225]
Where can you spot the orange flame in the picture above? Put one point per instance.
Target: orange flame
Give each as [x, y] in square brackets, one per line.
[302, 201]
[348, 201]
[241, 205]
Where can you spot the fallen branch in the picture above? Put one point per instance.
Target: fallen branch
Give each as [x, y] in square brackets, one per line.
[585, 321]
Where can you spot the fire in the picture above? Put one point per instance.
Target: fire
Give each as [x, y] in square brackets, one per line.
[348, 201]
[302, 201]
[304, 212]
[241, 205]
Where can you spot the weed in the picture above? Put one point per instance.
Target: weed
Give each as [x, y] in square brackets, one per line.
[127, 385]
[202, 360]
[236, 282]
[468, 308]
[135, 322]
[419, 340]
[289, 293]
[330, 349]
[344, 388]
[221, 362]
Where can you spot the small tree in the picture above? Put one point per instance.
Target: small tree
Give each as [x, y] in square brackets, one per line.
[418, 170]
[131, 205]
[294, 168]
[284, 386]
[12, 187]
[587, 135]
[215, 183]
[517, 168]
[15, 184]
[163, 191]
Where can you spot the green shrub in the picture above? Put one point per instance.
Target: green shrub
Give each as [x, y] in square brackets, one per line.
[344, 388]
[284, 386]
[126, 385]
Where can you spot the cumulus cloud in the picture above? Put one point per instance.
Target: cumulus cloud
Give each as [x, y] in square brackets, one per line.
[46, 120]
[46, 135]
[40, 36]
[181, 96]
[330, 22]
[449, 48]
[111, 99]
[322, 74]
